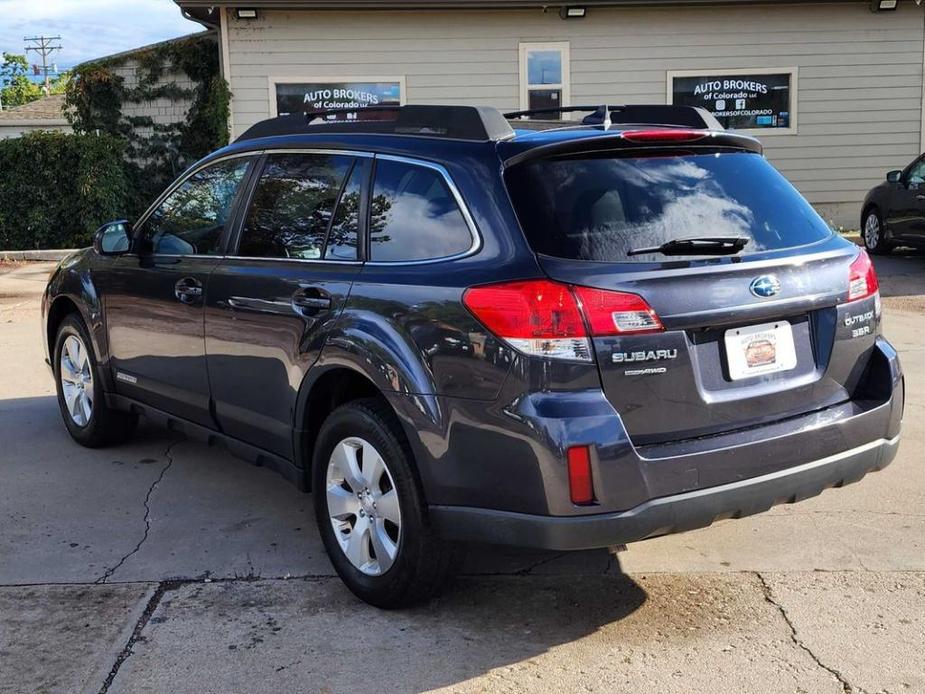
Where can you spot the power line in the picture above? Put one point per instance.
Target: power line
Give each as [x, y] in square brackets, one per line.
[43, 45]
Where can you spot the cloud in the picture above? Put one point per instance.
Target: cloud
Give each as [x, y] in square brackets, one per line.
[91, 28]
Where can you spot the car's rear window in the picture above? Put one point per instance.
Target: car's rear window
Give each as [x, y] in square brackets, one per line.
[601, 207]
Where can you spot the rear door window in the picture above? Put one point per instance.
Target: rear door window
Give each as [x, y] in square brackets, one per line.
[600, 208]
[343, 239]
[293, 206]
[414, 215]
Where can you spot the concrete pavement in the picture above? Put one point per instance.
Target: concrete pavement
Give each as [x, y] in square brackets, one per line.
[163, 565]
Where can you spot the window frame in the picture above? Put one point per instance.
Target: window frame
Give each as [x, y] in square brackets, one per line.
[248, 188]
[794, 73]
[235, 242]
[234, 245]
[237, 205]
[564, 49]
[476, 242]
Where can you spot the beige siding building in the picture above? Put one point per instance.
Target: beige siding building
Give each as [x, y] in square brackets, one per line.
[833, 89]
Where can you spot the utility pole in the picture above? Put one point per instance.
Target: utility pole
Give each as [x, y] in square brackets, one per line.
[43, 45]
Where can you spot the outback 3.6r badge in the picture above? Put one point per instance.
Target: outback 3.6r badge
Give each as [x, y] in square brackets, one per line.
[765, 287]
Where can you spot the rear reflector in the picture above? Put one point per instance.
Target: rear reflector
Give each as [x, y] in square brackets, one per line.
[665, 135]
[862, 278]
[550, 319]
[580, 485]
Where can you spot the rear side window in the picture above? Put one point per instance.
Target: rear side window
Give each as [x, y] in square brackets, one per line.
[293, 206]
[414, 215]
[603, 207]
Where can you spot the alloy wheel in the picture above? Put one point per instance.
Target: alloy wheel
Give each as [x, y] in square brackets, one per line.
[77, 380]
[872, 231]
[363, 506]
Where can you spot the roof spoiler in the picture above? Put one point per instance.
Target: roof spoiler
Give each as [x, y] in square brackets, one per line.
[634, 139]
[472, 123]
[607, 115]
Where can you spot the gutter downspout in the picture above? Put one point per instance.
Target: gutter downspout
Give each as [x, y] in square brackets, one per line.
[922, 124]
[225, 62]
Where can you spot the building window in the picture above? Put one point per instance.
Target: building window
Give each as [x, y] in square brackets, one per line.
[290, 95]
[760, 100]
[544, 75]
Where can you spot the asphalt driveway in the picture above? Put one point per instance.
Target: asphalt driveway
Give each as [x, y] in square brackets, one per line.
[164, 565]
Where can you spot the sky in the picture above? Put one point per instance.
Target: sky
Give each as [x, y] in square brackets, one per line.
[90, 28]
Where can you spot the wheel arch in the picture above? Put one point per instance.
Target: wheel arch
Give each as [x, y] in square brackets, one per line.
[324, 389]
[865, 210]
[72, 289]
[60, 308]
[64, 305]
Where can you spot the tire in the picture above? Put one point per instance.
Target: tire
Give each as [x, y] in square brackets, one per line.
[386, 505]
[88, 419]
[873, 233]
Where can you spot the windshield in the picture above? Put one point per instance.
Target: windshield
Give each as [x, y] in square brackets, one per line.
[600, 208]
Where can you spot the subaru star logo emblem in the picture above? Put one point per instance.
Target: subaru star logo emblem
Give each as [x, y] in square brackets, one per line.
[765, 286]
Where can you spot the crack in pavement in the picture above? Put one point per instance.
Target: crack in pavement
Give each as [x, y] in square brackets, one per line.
[164, 587]
[109, 572]
[142, 622]
[529, 569]
[847, 687]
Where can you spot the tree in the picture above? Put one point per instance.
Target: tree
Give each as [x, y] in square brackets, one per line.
[59, 83]
[16, 88]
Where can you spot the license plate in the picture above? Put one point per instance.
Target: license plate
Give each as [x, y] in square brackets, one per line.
[760, 349]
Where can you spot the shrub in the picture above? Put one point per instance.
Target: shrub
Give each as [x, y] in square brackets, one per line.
[99, 99]
[56, 189]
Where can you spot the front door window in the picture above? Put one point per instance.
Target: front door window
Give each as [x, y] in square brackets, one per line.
[191, 220]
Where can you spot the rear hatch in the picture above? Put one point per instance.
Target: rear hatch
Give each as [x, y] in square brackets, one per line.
[733, 340]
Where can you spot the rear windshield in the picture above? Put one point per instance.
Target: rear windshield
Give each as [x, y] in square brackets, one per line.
[600, 208]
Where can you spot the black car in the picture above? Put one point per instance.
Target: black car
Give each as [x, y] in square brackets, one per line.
[893, 213]
[568, 336]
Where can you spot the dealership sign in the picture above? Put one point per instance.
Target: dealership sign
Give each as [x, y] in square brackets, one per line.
[324, 96]
[739, 101]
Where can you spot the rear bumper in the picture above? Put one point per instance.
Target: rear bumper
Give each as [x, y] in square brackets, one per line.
[670, 514]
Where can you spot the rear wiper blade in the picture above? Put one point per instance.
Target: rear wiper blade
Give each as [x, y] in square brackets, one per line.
[705, 245]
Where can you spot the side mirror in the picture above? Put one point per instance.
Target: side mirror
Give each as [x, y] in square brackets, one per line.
[114, 238]
[894, 176]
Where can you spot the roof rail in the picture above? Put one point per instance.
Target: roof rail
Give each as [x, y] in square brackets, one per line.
[474, 123]
[606, 116]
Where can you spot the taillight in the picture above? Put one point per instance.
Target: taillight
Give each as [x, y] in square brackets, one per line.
[536, 317]
[862, 278]
[664, 135]
[545, 319]
[617, 313]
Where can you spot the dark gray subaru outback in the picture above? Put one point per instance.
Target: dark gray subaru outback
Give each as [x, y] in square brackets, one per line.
[578, 334]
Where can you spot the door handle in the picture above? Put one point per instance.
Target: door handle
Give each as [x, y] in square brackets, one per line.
[310, 300]
[188, 290]
[314, 302]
